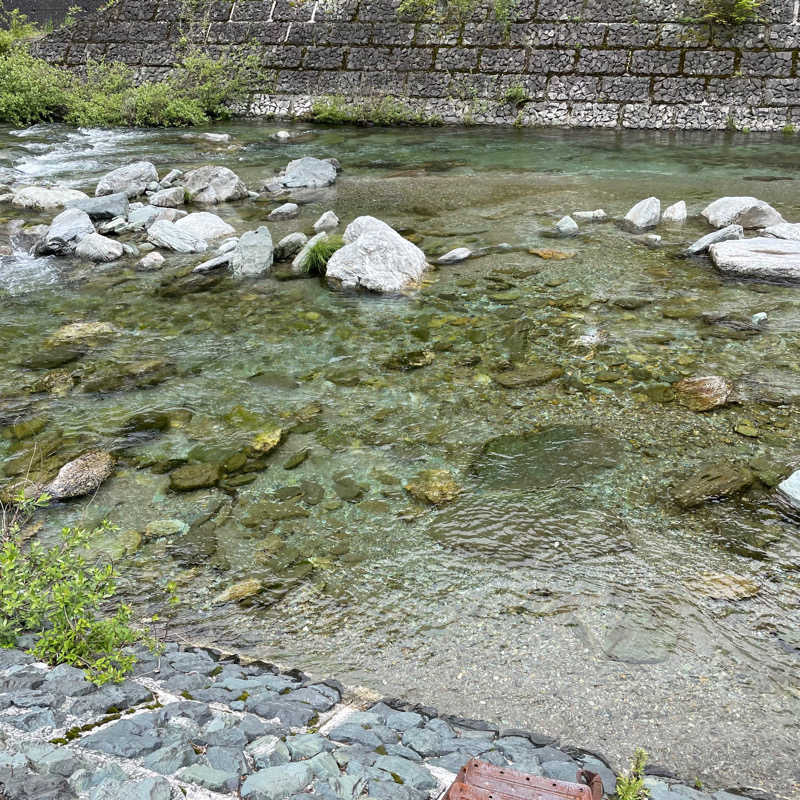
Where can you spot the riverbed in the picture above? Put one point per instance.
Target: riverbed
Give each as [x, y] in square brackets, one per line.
[562, 590]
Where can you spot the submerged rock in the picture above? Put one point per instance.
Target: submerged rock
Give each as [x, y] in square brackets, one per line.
[534, 375]
[762, 257]
[204, 225]
[562, 453]
[712, 482]
[43, 198]
[769, 385]
[645, 214]
[675, 213]
[253, 253]
[749, 212]
[211, 185]
[131, 180]
[376, 258]
[66, 232]
[95, 247]
[455, 256]
[239, 591]
[81, 332]
[152, 261]
[82, 476]
[435, 486]
[165, 234]
[193, 476]
[598, 215]
[704, 393]
[722, 586]
[729, 233]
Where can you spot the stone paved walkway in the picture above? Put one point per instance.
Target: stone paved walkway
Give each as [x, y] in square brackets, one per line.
[190, 724]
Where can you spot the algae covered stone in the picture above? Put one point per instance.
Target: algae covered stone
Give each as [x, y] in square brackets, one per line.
[239, 591]
[266, 441]
[712, 482]
[435, 486]
[193, 476]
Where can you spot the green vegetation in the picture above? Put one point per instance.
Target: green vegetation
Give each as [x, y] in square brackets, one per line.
[789, 129]
[730, 12]
[516, 95]
[320, 253]
[455, 11]
[197, 90]
[335, 110]
[630, 785]
[57, 595]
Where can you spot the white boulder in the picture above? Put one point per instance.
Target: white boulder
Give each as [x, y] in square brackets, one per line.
[253, 253]
[454, 256]
[761, 257]
[375, 257]
[784, 230]
[286, 211]
[204, 225]
[166, 234]
[132, 179]
[327, 222]
[749, 212]
[288, 247]
[567, 226]
[152, 261]
[210, 185]
[308, 172]
[598, 215]
[66, 231]
[645, 214]
[168, 198]
[722, 235]
[95, 247]
[42, 198]
[675, 213]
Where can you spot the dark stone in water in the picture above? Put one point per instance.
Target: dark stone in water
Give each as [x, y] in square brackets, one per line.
[561, 454]
[541, 527]
[193, 476]
[712, 482]
[772, 386]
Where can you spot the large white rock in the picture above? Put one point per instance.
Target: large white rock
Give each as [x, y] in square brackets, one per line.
[95, 247]
[567, 226]
[252, 255]
[327, 222]
[762, 257]
[45, 199]
[66, 231]
[749, 212]
[286, 211]
[211, 185]
[109, 206]
[375, 257]
[204, 225]
[145, 216]
[722, 235]
[675, 213]
[645, 214]
[784, 230]
[131, 179]
[308, 172]
[168, 198]
[166, 234]
[789, 489]
[290, 246]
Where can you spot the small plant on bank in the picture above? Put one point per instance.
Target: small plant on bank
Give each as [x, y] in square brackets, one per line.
[455, 11]
[56, 594]
[516, 95]
[730, 12]
[630, 785]
[335, 110]
[16, 27]
[320, 254]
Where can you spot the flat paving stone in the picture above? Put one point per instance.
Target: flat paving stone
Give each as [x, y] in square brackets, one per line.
[209, 778]
[277, 783]
[414, 775]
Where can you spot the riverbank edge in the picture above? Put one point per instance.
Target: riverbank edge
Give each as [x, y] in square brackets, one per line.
[155, 683]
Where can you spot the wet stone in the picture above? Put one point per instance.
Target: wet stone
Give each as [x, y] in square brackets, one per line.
[403, 720]
[349, 732]
[170, 758]
[127, 738]
[209, 778]
[424, 741]
[412, 775]
[712, 482]
[277, 783]
[269, 751]
[194, 476]
[535, 375]
[307, 745]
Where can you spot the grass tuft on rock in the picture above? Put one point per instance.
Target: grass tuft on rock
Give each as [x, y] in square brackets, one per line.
[380, 111]
[320, 254]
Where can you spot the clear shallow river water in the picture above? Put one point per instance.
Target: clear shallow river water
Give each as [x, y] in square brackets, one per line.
[563, 590]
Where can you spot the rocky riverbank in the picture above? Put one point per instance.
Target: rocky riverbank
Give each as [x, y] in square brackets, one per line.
[193, 724]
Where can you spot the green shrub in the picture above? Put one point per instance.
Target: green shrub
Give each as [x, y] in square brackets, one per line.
[630, 785]
[16, 28]
[320, 254]
[30, 89]
[57, 595]
[516, 95]
[335, 110]
[730, 12]
[454, 11]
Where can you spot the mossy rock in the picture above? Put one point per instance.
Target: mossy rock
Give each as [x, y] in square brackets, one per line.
[266, 441]
[194, 476]
[434, 486]
[535, 375]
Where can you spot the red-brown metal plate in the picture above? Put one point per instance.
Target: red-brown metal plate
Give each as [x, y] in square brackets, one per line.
[479, 780]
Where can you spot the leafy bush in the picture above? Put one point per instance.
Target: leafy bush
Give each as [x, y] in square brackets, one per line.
[516, 95]
[30, 89]
[730, 12]
[16, 27]
[630, 785]
[55, 593]
[335, 110]
[320, 254]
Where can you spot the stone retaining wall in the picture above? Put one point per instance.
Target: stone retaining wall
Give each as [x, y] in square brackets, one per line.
[601, 63]
[45, 11]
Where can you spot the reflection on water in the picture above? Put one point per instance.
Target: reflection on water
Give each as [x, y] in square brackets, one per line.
[563, 539]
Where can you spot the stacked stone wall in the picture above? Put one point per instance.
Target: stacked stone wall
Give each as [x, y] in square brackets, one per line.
[602, 63]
